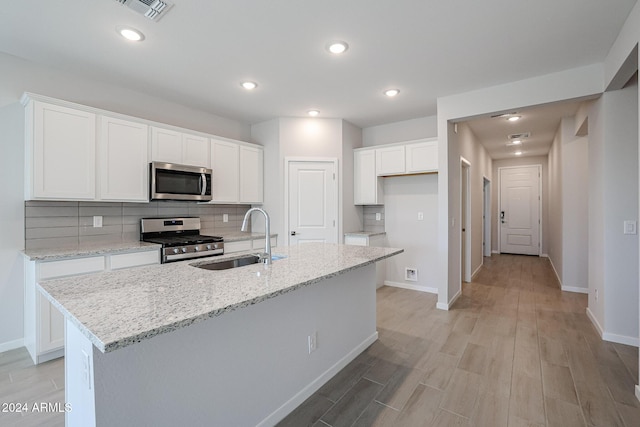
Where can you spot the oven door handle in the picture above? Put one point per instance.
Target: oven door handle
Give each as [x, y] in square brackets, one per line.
[203, 184]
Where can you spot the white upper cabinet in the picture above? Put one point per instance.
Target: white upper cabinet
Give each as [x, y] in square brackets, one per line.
[367, 188]
[237, 172]
[225, 166]
[123, 160]
[251, 174]
[195, 150]
[166, 145]
[61, 145]
[422, 157]
[390, 160]
[171, 146]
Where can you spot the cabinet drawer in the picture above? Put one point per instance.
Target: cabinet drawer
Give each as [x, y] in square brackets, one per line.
[356, 240]
[135, 259]
[49, 270]
[243, 245]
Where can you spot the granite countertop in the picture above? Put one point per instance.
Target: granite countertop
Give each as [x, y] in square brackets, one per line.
[119, 308]
[53, 254]
[365, 233]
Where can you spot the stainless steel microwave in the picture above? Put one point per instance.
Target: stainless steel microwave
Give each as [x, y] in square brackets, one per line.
[170, 181]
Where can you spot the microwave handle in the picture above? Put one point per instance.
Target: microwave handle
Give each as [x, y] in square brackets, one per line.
[203, 184]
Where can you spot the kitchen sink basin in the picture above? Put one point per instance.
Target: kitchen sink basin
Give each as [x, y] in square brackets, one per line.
[234, 263]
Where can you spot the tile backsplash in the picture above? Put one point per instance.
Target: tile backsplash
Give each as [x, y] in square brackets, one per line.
[68, 224]
[370, 222]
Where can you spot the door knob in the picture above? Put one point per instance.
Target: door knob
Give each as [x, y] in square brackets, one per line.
[293, 233]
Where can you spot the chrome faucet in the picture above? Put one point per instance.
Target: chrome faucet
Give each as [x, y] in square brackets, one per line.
[267, 230]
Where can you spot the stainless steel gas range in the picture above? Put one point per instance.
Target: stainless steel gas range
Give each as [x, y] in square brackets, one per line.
[180, 238]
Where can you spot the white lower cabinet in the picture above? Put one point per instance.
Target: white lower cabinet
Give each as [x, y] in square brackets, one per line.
[43, 323]
[379, 240]
[247, 245]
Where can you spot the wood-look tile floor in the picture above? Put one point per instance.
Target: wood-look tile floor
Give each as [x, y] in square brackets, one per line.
[513, 351]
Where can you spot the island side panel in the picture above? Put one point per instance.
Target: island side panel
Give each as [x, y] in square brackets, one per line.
[248, 367]
[78, 377]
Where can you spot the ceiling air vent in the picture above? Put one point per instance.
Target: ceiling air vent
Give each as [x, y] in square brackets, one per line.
[152, 9]
[520, 135]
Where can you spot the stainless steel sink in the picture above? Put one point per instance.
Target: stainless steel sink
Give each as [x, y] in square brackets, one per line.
[230, 263]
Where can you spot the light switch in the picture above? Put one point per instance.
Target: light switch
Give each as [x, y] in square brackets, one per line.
[420, 216]
[630, 227]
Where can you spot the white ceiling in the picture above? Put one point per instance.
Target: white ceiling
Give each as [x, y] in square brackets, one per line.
[541, 122]
[198, 54]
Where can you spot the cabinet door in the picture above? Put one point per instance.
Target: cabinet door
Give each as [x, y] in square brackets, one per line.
[251, 175]
[226, 173]
[51, 325]
[237, 246]
[195, 150]
[122, 156]
[64, 142]
[367, 189]
[166, 145]
[422, 157]
[390, 160]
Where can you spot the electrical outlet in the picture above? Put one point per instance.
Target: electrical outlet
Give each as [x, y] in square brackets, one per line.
[420, 216]
[97, 221]
[378, 216]
[225, 217]
[313, 342]
[411, 274]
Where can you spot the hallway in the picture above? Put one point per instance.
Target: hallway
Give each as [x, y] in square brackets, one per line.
[514, 351]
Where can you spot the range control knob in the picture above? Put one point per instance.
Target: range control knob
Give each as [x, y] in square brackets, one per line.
[208, 247]
[175, 250]
[184, 250]
[196, 248]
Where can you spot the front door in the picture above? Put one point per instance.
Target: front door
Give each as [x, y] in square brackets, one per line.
[519, 212]
[313, 202]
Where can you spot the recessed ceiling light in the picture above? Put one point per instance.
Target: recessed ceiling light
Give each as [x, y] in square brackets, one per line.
[313, 113]
[514, 118]
[337, 47]
[391, 92]
[130, 33]
[518, 153]
[249, 85]
[516, 142]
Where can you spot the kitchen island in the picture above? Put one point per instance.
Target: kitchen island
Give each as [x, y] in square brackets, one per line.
[174, 344]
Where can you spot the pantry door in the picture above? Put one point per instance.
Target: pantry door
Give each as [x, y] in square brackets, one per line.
[312, 201]
[519, 212]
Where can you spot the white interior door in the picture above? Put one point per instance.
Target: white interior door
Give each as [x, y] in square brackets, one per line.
[313, 202]
[465, 221]
[519, 211]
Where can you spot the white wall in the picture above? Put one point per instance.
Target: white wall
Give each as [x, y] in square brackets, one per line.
[352, 215]
[19, 76]
[474, 152]
[554, 204]
[404, 197]
[613, 256]
[11, 227]
[406, 130]
[306, 138]
[575, 205]
[576, 83]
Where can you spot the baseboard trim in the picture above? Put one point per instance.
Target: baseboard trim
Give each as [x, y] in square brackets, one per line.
[412, 287]
[638, 392]
[595, 322]
[556, 272]
[447, 306]
[544, 255]
[576, 289]
[476, 271]
[284, 410]
[621, 339]
[11, 345]
[608, 336]
[495, 252]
